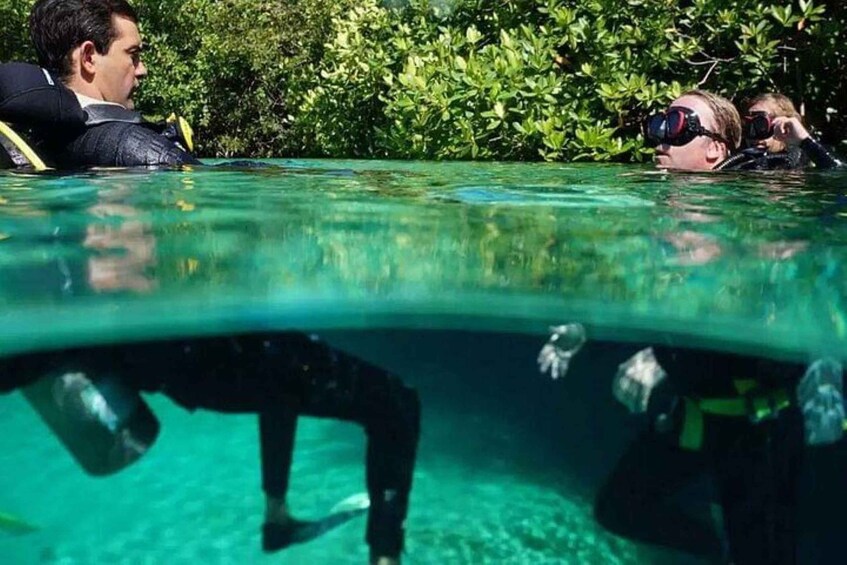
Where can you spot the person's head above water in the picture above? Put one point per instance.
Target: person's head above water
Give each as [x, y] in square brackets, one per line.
[697, 131]
[771, 121]
[93, 45]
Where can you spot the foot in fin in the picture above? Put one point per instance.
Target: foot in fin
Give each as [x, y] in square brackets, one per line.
[279, 536]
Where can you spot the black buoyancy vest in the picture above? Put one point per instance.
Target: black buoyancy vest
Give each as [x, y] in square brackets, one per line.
[35, 101]
[758, 159]
[799, 157]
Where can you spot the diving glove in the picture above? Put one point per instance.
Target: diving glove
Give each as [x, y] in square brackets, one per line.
[565, 341]
[820, 397]
[635, 380]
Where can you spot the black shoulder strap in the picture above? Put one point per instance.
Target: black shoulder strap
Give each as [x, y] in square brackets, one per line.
[123, 144]
[175, 128]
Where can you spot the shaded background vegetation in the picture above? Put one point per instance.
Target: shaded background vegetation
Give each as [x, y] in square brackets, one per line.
[463, 79]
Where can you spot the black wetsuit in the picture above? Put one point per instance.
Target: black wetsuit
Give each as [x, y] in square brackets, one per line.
[68, 136]
[278, 376]
[121, 144]
[754, 467]
[116, 137]
[758, 159]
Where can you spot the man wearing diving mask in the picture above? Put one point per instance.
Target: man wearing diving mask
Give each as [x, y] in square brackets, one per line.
[701, 131]
[741, 421]
[698, 132]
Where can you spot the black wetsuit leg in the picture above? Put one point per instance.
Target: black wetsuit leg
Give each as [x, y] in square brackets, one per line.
[337, 385]
[756, 470]
[264, 372]
[757, 475]
[637, 500]
[277, 431]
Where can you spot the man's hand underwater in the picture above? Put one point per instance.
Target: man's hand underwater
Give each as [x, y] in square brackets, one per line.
[565, 341]
[635, 380]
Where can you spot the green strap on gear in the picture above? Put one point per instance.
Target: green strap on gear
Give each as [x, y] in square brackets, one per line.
[737, 407]
[769, 405]
[19, 151]
[691, 435]
[755, 406]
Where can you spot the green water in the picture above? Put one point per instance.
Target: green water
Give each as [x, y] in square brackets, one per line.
[739, 262]
[448, 274]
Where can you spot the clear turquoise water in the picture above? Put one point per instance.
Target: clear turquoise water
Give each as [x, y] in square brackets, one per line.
[448, 274]
[742, 263]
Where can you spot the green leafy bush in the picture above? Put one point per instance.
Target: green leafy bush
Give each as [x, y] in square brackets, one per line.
[556, 79]
[229, 66]
[14, 33]
[468, 79]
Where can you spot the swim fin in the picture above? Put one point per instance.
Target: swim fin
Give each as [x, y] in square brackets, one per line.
[279, 536]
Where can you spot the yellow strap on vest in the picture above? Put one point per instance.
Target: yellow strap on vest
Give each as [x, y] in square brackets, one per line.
[765, 406]
[183, 128]
[756, 406]
[23, 147]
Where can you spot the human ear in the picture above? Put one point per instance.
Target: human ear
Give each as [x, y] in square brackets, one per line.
[716, 151]
[87, 54]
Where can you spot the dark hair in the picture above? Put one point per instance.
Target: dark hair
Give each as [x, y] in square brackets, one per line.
[57, 27]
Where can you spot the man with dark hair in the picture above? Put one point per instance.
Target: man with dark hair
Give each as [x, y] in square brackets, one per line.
[94, 48]
[93, 45]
